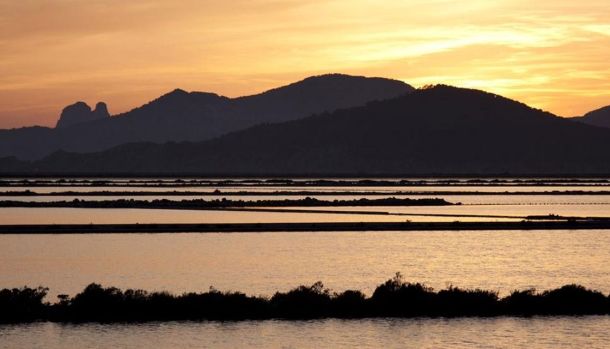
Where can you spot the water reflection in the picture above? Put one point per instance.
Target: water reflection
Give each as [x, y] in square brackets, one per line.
[534, 333]
[262, 263]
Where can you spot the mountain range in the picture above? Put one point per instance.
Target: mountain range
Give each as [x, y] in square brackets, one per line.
[433, 130]
[193, 116]
[599, 117]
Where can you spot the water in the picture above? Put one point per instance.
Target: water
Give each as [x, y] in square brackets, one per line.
[532, 333]
[495, 205]
[464, 199]
[496, 212]
[262, 263]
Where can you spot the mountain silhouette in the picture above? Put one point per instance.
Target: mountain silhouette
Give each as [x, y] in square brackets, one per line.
[80, 112]
[194, 116]
[599, 117]
[436, 130]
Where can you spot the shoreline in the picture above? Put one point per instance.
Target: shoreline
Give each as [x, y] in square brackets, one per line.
[602, 224]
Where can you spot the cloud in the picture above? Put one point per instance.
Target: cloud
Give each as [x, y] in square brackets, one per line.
[551, 54]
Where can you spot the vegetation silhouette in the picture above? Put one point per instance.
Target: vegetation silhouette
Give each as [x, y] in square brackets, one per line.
[394, 298]
[220, 203]
[23, 304]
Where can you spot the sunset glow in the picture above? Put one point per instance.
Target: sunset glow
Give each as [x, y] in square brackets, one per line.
[552, 55]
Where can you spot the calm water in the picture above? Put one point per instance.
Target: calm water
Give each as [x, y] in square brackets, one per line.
[262, 263]
[533, 333]
[496, 212]
[464, 199]
[490, 205]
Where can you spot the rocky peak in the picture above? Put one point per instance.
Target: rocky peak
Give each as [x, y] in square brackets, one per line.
[101, 111]
[81, 112]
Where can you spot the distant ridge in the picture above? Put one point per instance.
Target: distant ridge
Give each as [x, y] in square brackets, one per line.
[599, 117]
[194, 116]
[437, 130]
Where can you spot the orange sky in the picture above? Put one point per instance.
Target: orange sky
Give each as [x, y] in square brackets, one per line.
[551, 54]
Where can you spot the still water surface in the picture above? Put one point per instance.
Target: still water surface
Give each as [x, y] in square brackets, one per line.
[535, 333]
[495, 212]
[464, 199]
[262, 263]
[496, 205]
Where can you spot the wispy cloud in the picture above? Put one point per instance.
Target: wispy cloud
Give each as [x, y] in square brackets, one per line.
[551, 54]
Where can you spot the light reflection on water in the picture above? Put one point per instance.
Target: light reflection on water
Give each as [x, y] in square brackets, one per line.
[262, 263]
[494, 205]
[17, 215]
[464, 199]
[534, 333]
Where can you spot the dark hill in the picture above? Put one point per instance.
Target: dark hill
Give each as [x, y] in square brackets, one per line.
[28, 142]
[440, 130]
[599, 117]
[195, 116]
[80, 112]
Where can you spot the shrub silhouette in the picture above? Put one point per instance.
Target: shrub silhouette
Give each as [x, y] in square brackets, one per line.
[458, 302]
[350, 304]
[304, 302]
[393, 298]
[96, 303]
[566, 300]
[22, 304]
[224, 202]
[521, 302]
[574, 299]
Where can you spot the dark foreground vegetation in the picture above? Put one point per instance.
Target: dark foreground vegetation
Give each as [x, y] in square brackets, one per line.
[222, 203]
[394, 298]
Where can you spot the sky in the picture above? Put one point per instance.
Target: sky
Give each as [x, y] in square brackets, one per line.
[551, 54]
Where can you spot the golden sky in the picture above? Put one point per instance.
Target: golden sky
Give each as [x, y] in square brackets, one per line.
[550, 54]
